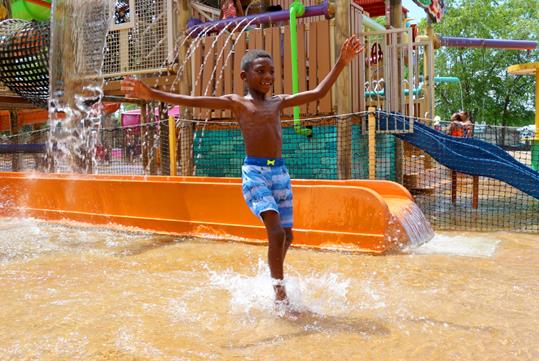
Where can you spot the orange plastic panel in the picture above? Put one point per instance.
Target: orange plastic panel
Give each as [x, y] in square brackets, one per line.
[352, 215]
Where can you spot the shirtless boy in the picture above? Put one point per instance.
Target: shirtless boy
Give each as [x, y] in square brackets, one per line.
[266, 182]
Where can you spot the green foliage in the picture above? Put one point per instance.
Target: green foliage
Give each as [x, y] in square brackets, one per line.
[492, 94]
[129, 106]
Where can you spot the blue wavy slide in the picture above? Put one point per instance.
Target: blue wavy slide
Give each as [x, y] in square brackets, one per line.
[465, 155]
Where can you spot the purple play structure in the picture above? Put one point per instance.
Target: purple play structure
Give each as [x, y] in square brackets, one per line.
[487, 43]
[195, 26]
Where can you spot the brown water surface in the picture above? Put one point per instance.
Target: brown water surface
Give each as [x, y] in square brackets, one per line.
[70, 292]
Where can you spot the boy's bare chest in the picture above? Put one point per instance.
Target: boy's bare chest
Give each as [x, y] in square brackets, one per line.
[263, 109]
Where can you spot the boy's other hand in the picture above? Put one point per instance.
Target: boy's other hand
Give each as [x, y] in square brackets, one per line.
[133, 88]
[350, 48]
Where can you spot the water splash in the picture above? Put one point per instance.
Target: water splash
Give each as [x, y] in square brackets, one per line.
[244, 27]
[78, 37]
[416, 225]
[69, 237]
[320, 293]
[460, 245]
[461, 96]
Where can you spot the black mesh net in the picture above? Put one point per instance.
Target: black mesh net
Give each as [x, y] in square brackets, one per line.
[17, 160]
[24, 59]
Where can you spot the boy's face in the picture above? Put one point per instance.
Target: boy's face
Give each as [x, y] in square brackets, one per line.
[260, 75]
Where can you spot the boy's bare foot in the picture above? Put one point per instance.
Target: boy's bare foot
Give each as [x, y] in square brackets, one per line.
[280, 293]
[286, 310]
[282, 303]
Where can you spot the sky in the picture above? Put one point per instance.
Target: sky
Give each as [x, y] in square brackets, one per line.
[415, 11]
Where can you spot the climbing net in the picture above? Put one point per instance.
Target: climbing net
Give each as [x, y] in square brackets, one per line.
[24, 59]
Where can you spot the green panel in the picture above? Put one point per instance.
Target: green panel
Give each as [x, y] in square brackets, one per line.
[311, 157]
[220, 153]
[360, 154]
[385, 157]
[26, 10]
[535, 155]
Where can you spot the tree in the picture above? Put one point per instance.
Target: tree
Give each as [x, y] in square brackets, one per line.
[488, 91]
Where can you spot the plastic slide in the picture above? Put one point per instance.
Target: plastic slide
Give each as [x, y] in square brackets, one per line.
[362, 216]
[466, 155]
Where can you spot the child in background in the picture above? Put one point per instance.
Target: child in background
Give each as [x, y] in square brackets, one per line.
[456, 128]
[467, 124]
[230, 9]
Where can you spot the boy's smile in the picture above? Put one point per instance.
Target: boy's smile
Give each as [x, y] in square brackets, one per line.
[260, 76]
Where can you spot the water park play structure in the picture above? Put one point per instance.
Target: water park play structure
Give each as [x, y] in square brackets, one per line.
[376, 111]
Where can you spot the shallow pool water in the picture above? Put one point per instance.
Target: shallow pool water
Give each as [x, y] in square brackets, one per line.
[71, 292]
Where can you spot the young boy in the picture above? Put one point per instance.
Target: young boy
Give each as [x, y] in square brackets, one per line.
[266, 182]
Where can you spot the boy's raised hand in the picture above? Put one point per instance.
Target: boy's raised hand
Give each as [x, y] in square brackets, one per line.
[134, 88]
[350, 48]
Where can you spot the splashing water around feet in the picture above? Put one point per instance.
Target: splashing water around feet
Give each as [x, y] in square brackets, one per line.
[168, 298]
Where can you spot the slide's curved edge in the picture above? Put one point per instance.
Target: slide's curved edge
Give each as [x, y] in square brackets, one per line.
[382, 187]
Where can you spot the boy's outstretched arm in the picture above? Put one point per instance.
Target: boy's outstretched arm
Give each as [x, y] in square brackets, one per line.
[350, 48]
[133, 88]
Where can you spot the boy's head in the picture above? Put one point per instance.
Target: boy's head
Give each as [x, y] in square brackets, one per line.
[257, 71]
[251, 56]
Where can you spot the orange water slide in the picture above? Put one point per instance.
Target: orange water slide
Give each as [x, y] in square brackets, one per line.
[355, 215]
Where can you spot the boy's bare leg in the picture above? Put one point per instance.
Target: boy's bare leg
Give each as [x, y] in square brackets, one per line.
[288, 240]
[276, 251]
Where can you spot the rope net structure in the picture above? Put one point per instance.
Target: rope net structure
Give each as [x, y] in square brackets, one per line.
[450, 200]
[24, 59]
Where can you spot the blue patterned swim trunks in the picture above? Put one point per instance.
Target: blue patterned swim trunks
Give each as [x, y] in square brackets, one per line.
[266, 186]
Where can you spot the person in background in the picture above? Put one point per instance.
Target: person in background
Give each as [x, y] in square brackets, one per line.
[230, 9]
[456, 128]
[130, 145]
[436, 123]
[467, 123]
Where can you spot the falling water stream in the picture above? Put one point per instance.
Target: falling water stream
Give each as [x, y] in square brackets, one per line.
[78, 34]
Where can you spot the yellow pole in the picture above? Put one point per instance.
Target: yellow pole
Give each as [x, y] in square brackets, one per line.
[172, 145]
[372, 143]
[343, 91]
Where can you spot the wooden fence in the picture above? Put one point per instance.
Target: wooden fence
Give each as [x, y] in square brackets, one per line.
[217, 63]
